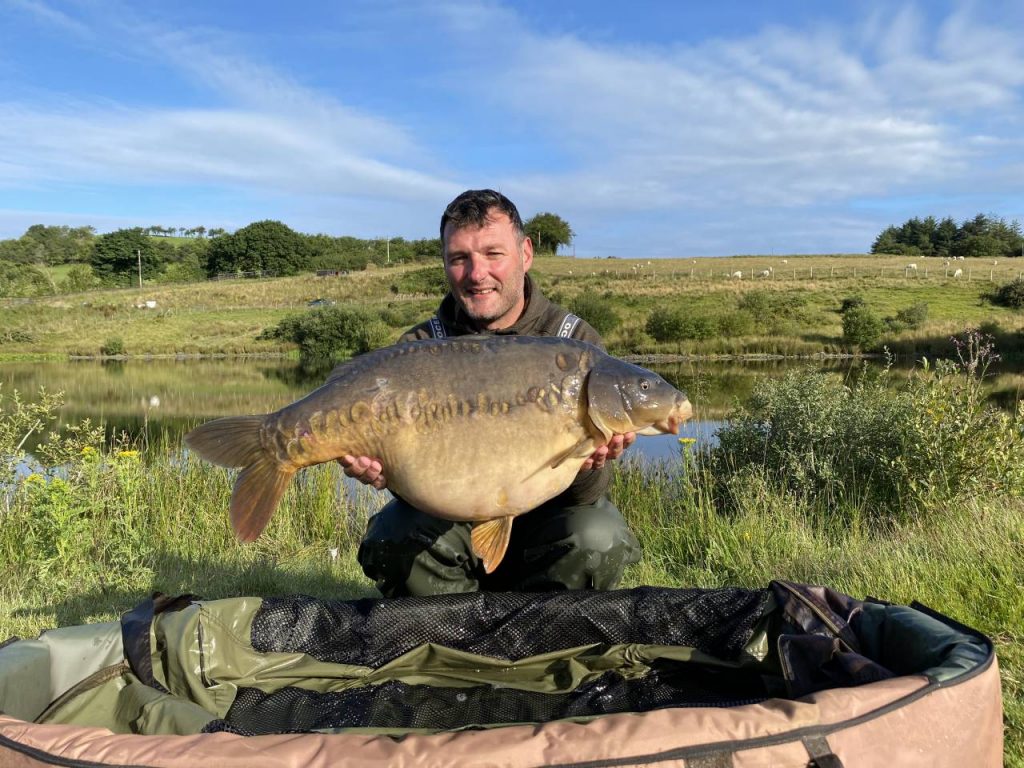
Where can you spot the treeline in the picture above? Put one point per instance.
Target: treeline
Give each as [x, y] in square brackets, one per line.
[267, 248]
[981, 237]
[116, 258]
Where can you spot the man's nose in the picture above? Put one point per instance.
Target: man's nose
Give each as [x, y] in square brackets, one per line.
[477, 269]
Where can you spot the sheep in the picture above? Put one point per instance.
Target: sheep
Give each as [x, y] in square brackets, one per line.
[994, 262]
[765, 272]
[958, 273]
[737, 274]
[785, 261]
[912, 266]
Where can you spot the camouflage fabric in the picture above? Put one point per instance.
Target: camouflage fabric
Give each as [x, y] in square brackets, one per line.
[583, 546]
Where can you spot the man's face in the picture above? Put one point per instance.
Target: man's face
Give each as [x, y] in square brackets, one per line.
[486, 268]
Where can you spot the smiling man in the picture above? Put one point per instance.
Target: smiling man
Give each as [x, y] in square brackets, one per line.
[578, 540]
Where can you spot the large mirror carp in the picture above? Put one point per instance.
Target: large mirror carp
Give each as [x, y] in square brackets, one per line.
[473, 429]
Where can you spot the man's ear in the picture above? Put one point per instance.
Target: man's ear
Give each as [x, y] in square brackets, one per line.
[527, 253]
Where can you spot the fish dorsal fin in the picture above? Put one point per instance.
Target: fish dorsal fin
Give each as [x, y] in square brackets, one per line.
[490, 540]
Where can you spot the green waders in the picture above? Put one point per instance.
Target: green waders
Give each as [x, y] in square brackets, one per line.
[587, 546]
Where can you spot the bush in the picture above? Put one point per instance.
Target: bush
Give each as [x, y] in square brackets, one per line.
[850, 302]
[677, 325]
[112, 346]
[893, 452]
[913, 316]
[1010, 295]
[331, 333]
[861, 327]
[773, 303]
[666, 324]
[429, 280]
[79, 278]
[733, 324]
[596, 311]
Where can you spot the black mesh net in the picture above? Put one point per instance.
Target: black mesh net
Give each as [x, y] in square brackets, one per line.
[507, 626]
[398, 705]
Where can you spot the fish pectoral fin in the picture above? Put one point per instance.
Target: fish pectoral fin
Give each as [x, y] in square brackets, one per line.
[490, 540]
[571, 453]
[258, 489]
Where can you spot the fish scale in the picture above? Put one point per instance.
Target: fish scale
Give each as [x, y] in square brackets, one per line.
[471, 429]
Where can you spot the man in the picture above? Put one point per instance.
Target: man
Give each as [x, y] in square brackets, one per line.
[577, 540]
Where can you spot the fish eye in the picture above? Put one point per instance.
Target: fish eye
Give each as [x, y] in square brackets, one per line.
[645, 384]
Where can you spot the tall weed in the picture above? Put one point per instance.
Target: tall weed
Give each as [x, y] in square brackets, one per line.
[891, 452]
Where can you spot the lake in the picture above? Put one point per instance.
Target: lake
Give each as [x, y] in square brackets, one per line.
[157, 401]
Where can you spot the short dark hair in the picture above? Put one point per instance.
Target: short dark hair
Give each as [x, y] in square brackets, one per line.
[474, 207]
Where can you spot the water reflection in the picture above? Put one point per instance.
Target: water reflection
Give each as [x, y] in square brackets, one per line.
[157, 401]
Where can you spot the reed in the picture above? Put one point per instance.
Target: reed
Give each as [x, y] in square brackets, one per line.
[107, 525]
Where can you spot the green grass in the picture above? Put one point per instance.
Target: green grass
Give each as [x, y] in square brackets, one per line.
[94, 547]
[116, 525]
[226, 317]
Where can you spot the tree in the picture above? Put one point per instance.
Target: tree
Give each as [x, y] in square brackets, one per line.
[548, 231]
[945, 234]
[861, 327]
[115, 256]
[887, 242]
[263, 246]
[58, 245]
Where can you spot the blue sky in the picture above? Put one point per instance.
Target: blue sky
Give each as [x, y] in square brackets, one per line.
[655, 129]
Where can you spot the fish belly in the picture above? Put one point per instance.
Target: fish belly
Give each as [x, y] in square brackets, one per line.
[475, 472]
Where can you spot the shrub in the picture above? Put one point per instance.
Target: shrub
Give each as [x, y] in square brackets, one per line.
[850, 302]
[773, 303]
[429, 280]
[17, 336]
[596, 311]
[861, 327]
[739, 323]
[913, 316]
[401, 316]
[893, 452]
[79, 278]
[330, 333]
[1010, 295]
[665, 324]
[112, 346]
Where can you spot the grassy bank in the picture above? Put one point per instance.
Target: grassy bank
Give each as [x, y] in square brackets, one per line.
[791, 311]
[906, 494]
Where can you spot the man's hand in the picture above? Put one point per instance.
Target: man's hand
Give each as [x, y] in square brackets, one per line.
[612, 450]
[364, 469]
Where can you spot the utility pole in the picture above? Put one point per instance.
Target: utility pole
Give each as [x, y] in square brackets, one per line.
[138, 253]
[389, 250]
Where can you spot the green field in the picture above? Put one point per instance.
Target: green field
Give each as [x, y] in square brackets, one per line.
[917, 494]
[802, 297]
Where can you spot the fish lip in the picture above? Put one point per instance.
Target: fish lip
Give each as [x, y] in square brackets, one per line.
[680, 413]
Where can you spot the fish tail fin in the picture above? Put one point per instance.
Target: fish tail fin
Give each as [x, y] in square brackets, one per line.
[229, 442]
[257, 492]
[490, 540]
[235, 442]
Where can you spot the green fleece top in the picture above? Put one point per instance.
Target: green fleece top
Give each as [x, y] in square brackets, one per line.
[540, 318]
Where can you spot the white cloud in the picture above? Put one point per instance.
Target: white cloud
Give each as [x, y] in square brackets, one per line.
[789, 124]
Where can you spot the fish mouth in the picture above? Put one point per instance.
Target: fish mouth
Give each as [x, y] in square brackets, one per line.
[679, 414]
